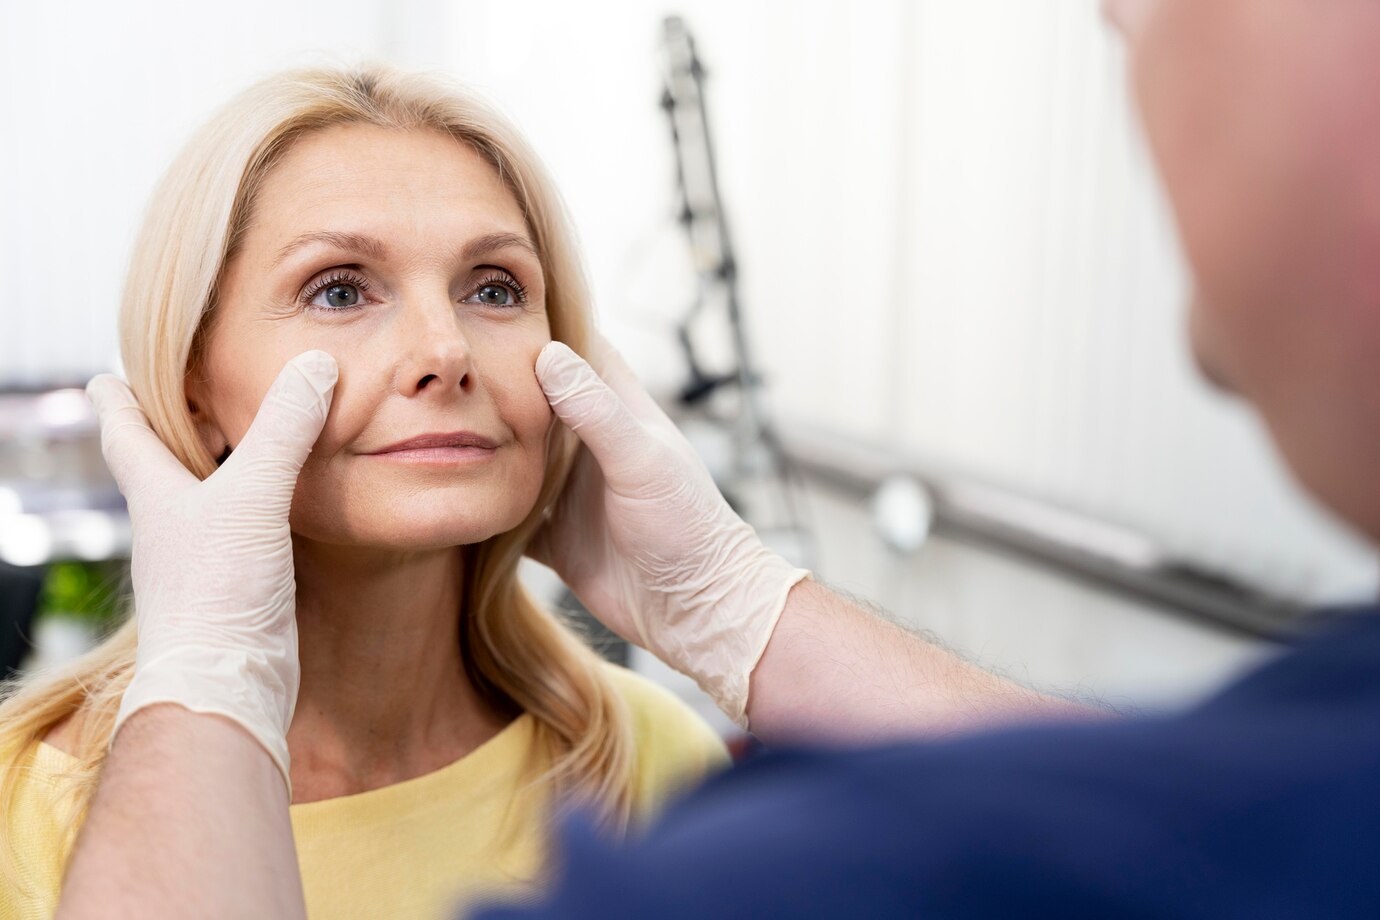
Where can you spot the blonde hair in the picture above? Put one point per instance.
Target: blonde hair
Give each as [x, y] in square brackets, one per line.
[516, 654]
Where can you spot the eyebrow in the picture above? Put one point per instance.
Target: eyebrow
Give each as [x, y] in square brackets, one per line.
[481, 246]
[354, 242]
[476, 248]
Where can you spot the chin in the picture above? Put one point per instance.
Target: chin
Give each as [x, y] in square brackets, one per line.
[1212, 372]
[413, 521]
[420, 536]
[1202, 343]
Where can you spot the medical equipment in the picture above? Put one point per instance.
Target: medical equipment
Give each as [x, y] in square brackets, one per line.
[730, 398]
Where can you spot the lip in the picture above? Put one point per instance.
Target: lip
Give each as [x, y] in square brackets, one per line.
[442, 440]
[447, 449]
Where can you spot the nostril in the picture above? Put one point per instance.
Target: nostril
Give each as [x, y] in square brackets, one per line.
[464, 381]
[421, 384]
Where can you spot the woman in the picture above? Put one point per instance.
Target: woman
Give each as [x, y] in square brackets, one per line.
[405, 229]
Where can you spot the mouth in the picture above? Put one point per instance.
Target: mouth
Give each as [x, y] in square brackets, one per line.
[442, 448]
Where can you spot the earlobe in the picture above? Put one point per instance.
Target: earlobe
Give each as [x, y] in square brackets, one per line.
[208, 432]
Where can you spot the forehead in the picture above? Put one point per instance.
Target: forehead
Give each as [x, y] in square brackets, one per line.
[386, 181]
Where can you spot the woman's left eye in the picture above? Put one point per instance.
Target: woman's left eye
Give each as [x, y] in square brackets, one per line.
[495, 295]
[498, 291]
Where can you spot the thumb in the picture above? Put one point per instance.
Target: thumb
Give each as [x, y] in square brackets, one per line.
[269, 457]
[586, 404]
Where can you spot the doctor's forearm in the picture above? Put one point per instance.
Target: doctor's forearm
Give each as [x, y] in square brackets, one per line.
[190, 819]
[834, 671]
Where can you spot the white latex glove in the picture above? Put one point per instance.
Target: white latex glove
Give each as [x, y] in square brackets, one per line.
[214, 594]
[646, 541]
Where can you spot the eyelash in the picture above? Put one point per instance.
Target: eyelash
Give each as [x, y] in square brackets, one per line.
[334, 277]
[508, 281]
[338, 277]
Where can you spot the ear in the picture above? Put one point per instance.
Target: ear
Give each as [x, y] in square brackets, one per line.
[198, 406]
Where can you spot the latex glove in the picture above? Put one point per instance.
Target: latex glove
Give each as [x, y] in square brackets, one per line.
[214, 593]
[644, 538]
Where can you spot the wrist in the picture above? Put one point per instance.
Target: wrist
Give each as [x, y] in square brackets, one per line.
[251, 689]
[720, 641]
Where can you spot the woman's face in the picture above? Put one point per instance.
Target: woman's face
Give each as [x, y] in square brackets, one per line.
[405, 256]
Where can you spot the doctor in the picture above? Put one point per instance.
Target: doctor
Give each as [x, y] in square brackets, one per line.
[1264, 118]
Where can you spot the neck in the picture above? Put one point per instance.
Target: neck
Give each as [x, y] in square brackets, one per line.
[384, 695]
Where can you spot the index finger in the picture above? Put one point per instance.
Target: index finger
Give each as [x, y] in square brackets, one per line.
[137, 457]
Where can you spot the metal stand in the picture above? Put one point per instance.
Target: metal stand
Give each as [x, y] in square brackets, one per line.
[757, 449]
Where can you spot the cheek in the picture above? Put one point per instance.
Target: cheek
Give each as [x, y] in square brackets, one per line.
[238, 379]
[518, 398]
[360, 389]
[242, 371]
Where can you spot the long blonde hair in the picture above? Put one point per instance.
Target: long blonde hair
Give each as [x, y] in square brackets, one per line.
[516, 654]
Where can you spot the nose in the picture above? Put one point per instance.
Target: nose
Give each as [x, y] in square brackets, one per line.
[436, 353]
[1128, 16]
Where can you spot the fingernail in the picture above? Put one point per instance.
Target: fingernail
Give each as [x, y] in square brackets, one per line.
[93, 392]
[319, 368]
[557, 366]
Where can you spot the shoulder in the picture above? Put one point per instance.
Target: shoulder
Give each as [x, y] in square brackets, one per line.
[1259, 803]
[1038, 824]
[660, 718]
[38, 783]
[64, 734]
[674, 747]
[1090, 820]
[36, 828]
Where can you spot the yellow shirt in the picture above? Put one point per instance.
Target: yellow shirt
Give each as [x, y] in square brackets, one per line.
[422, 848]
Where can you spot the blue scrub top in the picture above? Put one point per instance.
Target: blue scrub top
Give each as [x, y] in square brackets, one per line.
[1262, 802]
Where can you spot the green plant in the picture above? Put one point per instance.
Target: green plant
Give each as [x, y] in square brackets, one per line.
[86, 590]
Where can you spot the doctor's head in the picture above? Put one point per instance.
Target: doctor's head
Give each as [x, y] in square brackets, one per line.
[403, 227]
[1261, 115]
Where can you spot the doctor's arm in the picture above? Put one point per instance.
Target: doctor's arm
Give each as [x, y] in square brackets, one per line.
[191, 814]
[190, 819]
[835, 671]
[644, 538]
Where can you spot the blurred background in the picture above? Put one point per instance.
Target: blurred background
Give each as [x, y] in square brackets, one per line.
[901, 269]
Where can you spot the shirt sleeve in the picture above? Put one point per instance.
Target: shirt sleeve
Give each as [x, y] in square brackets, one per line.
[34, 836]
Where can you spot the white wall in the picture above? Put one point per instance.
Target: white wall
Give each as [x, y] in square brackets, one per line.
[97, 98]
[1041, 342]
[950, 238]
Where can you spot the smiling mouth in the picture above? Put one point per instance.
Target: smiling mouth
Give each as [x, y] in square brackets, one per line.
[448, 448]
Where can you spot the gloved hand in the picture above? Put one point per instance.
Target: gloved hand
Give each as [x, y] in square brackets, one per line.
[646, 541]
[214, 595]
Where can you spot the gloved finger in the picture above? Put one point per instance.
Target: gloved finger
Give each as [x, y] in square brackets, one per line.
[269, 457]
[136, 456]
[611, 366]
[598, 415]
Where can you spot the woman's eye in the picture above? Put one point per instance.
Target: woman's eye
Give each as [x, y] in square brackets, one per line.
[494, 295]
[498, 289]
[340, 294]
[337, 291]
